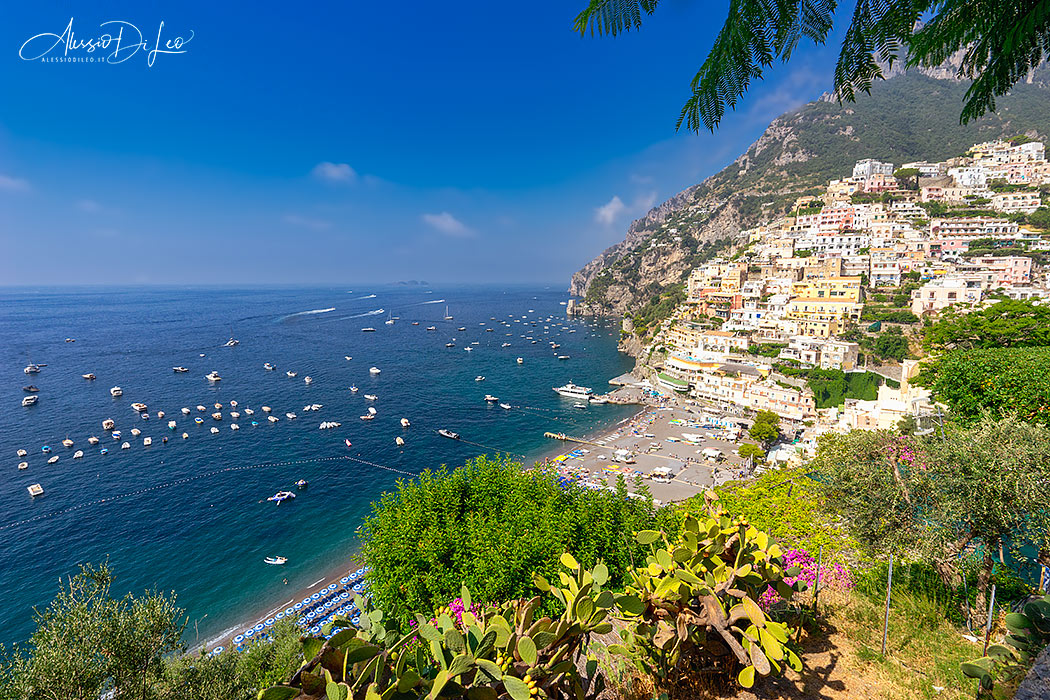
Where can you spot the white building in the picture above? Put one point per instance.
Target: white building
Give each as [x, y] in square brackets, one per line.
[870, 166]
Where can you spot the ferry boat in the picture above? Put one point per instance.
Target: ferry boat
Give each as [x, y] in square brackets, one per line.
[448, 433]
[572, 391]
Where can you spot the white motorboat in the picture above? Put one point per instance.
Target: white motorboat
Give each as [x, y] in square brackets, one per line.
[448, 316]
[266, 409]
[348, 358]
[369, 416]
[563, 357]
[431, 328]
[399, 441]
[108, 424]
[23, 466]
[371, 411]
[521, 361]
[185, 411]
[29, 400]
[125, 446]
[213, 376]
[450, 345]
[449, 434]
[579, 405]
[33, 368]
[268, 366]
[249, 412]
[599, 399]
[89, 376]
[272, 419]
[469, 349]
[353, 389]
[291, 374]
[371, 397]
[216, 416]
[92, 440]
[374, 370]
[140, 407]
[231, 342]
[35, 490]
[505, 405]
[147, 441]
[479, 378]
[21, 452]
[116, 391]
[202, 409]
[289, 416]
[171, 425]
[368, 330]
[281, 496]
[275, 560]
[308, 379]
[180, 369]
[135, 432]
[505, 345]
[405, 423]
[572, 391]
[53, 460]
[234, 426]
[214, 431]
[78, 454]
[491, 399]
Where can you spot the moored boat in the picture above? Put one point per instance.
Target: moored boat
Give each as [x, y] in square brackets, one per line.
[116, 391]
[89, 376]
[448, 433]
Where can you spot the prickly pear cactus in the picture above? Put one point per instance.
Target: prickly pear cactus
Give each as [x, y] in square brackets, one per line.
[697, 596]
[1028, 633]
[505, 652]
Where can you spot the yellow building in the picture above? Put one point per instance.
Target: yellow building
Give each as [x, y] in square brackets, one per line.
[821, 307]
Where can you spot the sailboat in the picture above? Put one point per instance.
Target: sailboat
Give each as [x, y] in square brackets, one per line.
[447, 316]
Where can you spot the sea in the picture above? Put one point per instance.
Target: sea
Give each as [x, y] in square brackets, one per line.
[191, 515]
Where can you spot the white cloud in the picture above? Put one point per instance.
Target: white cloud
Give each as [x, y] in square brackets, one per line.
[307, 222]
[640, 179]
[644, 202]
[9, 183]
[334, 172]
[607, 213]
[447, 224]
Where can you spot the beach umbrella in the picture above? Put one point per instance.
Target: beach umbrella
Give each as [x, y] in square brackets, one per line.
[298, 606]
[332, 587]
[238, 639]
[249, 633]
[218, 650]
[302, 620]
[259, 627]
[315, 596]
[288, 611]
[344, 580]
[311, 615]
[279, 616]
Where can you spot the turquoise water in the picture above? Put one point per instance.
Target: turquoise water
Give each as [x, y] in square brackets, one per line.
[206, 538]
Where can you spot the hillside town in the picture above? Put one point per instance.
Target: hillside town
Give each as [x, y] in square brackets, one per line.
[839, 287]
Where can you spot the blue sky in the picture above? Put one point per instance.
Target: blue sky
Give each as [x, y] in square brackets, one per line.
[337, 142]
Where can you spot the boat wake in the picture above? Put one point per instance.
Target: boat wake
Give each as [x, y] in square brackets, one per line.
[370, 296]
[434, 301]
[308, 313]
[374, 312]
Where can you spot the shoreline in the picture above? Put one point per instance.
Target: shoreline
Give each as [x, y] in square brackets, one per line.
[655, 415]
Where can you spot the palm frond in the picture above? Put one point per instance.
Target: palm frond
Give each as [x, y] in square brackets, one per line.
[612, 17]
[755, 34]
[1001, 42]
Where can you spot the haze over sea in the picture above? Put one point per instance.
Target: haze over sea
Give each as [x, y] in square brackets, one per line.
[206, 538]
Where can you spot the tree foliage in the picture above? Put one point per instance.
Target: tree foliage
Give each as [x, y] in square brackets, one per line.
[1006, 380]
[766, 427]
[1002, 42]
[1005, 324]
[87, 643]
[983, 486]
[491, 524]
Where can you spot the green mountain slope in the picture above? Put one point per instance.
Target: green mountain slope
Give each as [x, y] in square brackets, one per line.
[906, 118]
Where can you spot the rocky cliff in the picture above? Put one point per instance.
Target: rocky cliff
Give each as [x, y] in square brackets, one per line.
[910, 116]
